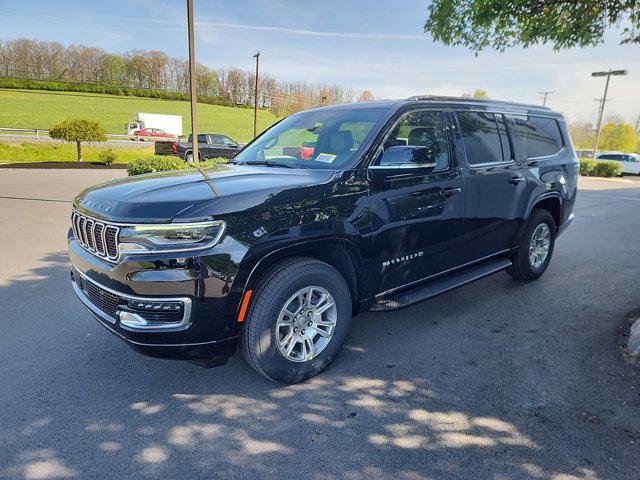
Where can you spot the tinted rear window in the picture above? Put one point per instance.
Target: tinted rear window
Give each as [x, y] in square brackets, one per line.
[483, 141]
[540, 136]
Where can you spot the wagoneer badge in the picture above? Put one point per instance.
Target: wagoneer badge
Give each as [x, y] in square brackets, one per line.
[406, 258]
[89, 203]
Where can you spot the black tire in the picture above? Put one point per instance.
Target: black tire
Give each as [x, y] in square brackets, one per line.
[189, 158]
[259, 336]
[521, 267]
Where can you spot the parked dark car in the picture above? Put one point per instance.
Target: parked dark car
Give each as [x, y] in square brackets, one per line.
[398, 201]
[210, 145]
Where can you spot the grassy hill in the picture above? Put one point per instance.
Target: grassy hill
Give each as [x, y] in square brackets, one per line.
[42, 109]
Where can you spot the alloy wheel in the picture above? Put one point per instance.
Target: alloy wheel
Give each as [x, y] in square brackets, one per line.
[306, 324]
[539, 246]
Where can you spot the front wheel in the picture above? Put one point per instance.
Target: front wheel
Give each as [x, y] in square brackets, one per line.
[532, 257]
[297, 320]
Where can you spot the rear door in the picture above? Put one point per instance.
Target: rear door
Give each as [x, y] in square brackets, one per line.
[417, 209]
[495, 184]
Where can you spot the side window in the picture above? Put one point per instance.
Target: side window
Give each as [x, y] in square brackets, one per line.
[227, 140]
[423, 129]
[216, 140]
[540, 136]
[202, 138]
[483, 138]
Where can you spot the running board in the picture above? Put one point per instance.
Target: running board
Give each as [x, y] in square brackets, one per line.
[436, 287]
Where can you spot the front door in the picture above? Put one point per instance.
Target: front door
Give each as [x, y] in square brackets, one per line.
[221, 146]
[417, 207]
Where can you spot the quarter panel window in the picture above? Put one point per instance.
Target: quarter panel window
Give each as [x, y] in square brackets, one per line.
[540, 136]
[482, 138]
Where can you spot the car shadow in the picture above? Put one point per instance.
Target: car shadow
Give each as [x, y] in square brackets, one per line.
[415, 394]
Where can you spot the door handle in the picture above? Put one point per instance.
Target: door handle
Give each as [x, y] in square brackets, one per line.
[449, 192]
[515, 181]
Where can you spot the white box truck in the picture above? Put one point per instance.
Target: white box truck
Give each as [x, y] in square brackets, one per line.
[169, 123]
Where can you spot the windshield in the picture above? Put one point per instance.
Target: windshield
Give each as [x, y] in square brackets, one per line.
[328, 139]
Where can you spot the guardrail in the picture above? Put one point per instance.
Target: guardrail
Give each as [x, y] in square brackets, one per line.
[40, 134]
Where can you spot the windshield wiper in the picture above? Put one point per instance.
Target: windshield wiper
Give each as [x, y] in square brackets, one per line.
[269, 163]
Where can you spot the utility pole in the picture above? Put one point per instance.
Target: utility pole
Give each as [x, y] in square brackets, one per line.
[604, 100]
[638, 124]
[255, 101]
[192, 82]
[544, 94]
[323, 100]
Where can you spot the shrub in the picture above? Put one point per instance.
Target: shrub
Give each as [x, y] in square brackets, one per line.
[599, 168]
[163, 163]
[587, 166]
[108, 157]
[154, 163]
[212, 162]
[607, 169]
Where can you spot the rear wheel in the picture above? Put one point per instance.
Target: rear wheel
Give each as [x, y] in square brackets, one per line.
[297, 320]
[532, 257]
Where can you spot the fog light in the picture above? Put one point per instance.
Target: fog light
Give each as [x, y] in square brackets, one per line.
[154, 306]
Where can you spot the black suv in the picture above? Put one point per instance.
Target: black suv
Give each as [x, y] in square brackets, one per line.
[210, 145]
[369, 206]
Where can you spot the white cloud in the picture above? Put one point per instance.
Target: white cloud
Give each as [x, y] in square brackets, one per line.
[312, 33]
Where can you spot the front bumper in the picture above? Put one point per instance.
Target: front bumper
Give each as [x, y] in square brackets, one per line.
[161, 308]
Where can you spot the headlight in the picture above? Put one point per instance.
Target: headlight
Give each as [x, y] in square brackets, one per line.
[174, 237]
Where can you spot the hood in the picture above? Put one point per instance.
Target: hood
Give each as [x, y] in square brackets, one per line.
[159, 197]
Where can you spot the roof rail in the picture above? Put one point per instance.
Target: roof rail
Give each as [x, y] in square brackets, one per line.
[418, 98]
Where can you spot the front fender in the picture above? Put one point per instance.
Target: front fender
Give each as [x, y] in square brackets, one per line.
[259, 259]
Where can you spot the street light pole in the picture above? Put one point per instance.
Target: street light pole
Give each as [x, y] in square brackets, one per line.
[255, 101]
[192, 82]
[604, 100]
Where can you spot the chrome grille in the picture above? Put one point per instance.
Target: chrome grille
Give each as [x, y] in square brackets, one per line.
[99, 238]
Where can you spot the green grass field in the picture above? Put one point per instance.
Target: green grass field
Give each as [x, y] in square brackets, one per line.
[27, 152]
[42, 109]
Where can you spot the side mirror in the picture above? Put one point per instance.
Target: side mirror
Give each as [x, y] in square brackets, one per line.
[407, 156]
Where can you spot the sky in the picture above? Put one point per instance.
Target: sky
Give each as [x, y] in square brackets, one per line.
[362, 44]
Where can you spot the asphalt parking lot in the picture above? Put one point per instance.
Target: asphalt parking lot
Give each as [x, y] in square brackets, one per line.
[494, 380]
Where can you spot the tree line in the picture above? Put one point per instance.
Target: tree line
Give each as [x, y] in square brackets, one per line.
[155, 70]
[615, 135]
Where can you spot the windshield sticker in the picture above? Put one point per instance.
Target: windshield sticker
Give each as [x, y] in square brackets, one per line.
[326, 158]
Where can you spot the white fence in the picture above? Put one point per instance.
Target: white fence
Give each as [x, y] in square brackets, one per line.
[40, 134]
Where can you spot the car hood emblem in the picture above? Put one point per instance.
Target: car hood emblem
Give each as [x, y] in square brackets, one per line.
[91, 204]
